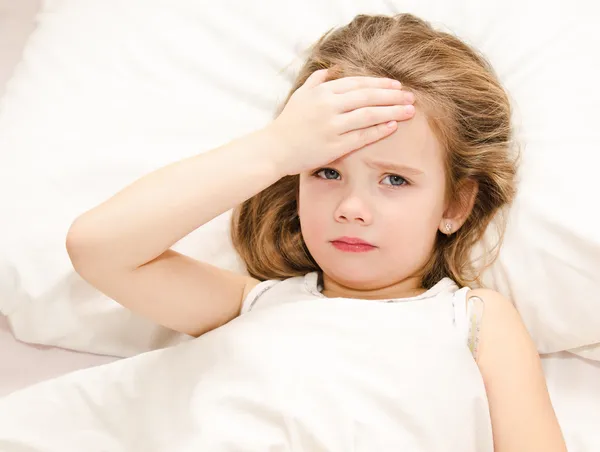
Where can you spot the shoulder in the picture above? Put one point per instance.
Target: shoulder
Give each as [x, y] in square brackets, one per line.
[251, 283]
[482, 310]
[491, 298]
[503, 335]
[253, 290]
[276, 291]
[498, 308]
[500, 312]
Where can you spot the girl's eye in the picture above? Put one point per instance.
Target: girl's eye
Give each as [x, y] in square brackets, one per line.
[329, 173]
[396, 181]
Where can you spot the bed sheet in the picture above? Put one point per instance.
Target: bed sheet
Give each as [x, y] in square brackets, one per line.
[22, 365]
[574, 386]
[17, 21]
[573, 382]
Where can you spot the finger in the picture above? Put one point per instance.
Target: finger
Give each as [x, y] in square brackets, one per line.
[370, 116]
[315, 79]
[345, 84]
[357, 139]
[373, 97]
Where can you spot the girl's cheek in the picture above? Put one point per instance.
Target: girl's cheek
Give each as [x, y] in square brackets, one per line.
[315, 187]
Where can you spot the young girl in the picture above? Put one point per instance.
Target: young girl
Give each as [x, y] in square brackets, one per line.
[385, 166]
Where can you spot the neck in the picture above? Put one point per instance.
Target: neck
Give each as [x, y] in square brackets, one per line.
[405, 288]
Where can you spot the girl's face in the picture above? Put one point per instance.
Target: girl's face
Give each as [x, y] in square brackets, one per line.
[390, 194]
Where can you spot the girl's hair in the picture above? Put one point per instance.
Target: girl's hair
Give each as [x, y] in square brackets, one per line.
[467, 109]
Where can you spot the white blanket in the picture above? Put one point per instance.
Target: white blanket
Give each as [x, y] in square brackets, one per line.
[342, 375]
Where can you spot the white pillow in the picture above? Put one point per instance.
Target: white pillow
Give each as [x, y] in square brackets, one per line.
[110, 90]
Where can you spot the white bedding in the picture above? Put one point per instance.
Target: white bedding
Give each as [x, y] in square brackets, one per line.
[297, 376]
[224, 392]
[22, 365]
[574, 386]
[56, 308]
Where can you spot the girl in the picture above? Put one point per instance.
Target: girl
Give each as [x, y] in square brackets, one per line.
[361, 188]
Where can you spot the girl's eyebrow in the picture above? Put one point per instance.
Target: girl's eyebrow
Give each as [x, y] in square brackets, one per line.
[394, 167]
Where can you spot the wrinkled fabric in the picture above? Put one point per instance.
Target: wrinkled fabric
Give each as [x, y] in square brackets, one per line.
[310, 375]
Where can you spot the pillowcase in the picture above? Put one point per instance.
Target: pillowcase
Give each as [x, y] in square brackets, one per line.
[108, 91]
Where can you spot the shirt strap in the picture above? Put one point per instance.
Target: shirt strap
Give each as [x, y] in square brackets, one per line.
[475, 307]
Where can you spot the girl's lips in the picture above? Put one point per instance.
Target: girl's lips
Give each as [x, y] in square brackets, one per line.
[352, 241]
[352, 248]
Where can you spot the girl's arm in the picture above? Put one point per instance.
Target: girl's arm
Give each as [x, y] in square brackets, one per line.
[122, 246]
[522, 415]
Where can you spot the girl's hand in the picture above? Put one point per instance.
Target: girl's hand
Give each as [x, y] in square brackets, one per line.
[323, 121]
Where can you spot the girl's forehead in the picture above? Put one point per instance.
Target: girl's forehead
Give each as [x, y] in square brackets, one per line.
[413, 144]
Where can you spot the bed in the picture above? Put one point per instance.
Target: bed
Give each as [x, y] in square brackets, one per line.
[95, 94]
[24, 364]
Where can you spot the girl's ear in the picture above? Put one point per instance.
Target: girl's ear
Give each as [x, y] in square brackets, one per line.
[458, 211]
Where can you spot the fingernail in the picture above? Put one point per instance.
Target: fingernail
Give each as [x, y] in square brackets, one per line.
[410, 97]
[410, 109]
[396, 84]
[391, 124]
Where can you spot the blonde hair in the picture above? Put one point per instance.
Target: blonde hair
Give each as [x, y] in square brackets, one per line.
[467, 109]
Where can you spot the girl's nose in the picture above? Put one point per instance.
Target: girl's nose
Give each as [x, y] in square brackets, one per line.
[353, 209]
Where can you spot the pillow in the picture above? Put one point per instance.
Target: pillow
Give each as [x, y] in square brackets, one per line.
[16, 24]
[109, 90]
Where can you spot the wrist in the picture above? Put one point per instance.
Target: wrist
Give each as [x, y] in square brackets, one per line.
[273, 147]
